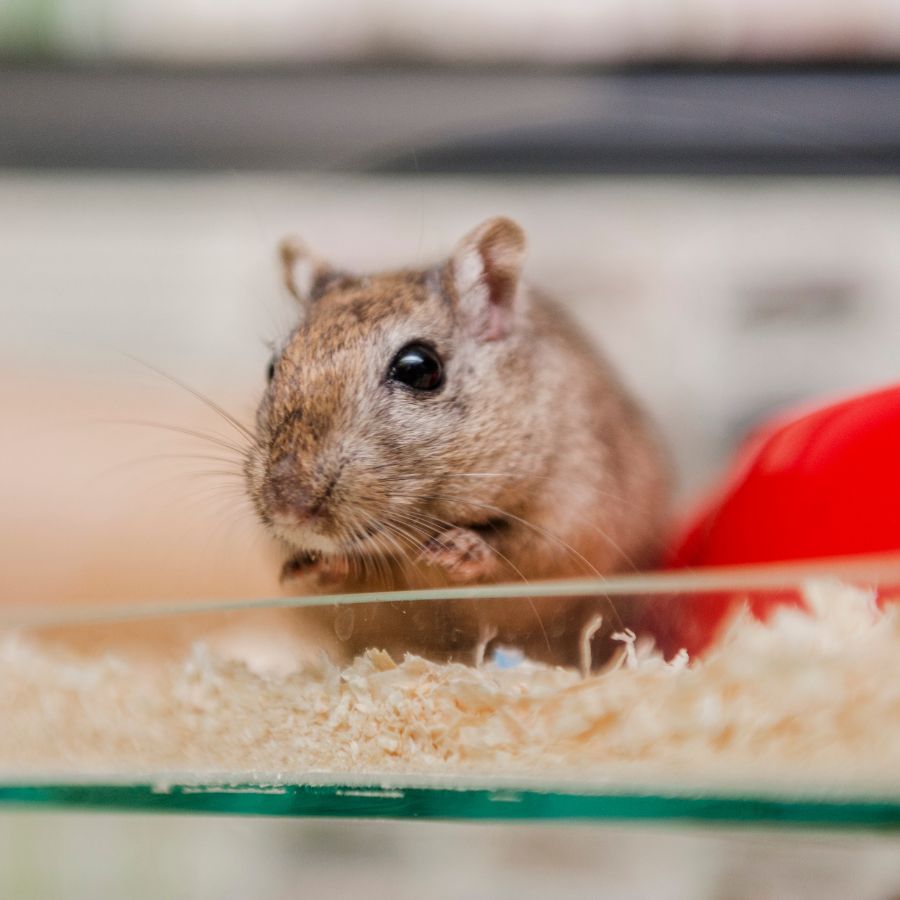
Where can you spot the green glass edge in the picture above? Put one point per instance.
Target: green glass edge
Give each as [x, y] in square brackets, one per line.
[463, 804]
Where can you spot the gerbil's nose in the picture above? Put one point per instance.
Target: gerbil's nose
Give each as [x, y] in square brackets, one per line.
[287, 495]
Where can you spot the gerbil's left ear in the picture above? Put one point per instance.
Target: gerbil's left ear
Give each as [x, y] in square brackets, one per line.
[304, 273]
[485, 268]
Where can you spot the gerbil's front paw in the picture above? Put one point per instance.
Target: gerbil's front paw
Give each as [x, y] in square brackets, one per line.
[462, 554]
[318, 570]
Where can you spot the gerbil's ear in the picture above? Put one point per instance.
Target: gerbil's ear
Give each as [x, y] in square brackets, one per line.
[485, 268]
[304, 273]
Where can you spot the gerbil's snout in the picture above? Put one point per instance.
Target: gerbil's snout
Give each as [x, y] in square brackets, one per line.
[291, 497]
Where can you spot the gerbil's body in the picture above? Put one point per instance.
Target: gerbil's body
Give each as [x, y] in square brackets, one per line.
[451, 425]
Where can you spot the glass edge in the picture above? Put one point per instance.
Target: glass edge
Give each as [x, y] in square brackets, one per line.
[870, 570]
[463, 803]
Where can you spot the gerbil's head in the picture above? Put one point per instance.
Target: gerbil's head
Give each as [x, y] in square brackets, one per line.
[389, 396]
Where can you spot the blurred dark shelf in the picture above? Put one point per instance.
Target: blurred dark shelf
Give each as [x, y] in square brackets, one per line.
[805, 120]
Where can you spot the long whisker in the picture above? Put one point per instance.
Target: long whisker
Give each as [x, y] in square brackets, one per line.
[358, 563]
[420, 533]
[206, 401]
[378, 538]
[143, 460]
[217, 440]
[389, 533]
[409, 531]
[409, 539]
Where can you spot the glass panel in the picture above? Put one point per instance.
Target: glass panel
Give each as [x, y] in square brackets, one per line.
[762, 695]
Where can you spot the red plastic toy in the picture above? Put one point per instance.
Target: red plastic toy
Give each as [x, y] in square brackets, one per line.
[821, 483]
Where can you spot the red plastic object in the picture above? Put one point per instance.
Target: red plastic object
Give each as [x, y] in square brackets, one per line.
[821, 483]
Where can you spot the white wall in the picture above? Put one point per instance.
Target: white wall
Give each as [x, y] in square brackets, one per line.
[721, 300]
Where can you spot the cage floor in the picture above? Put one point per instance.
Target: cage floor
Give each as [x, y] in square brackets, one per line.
[649, 740]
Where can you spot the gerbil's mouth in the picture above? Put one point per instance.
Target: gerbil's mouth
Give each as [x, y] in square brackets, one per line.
[308, 544]
[333, 562]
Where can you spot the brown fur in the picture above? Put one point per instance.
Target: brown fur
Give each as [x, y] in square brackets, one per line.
[531, 462]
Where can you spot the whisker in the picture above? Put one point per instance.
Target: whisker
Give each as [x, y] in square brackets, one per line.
[156, 457]
[214, 439]
[207, 401]
[408, 539]
[401, 529]
[379, 564]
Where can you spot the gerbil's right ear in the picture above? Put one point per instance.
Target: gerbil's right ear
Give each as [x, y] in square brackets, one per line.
[485, 268]
[304, 273]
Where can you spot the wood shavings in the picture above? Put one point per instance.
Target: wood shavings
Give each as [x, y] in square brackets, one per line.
[804, 693]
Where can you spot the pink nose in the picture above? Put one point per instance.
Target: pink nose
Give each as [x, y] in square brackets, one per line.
[288, 497]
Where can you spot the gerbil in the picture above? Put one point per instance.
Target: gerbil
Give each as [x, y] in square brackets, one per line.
[449, 425]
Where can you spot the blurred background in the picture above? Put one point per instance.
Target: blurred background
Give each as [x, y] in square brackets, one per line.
[710, 185]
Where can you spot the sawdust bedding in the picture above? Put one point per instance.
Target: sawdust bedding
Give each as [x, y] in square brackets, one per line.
[805, 693]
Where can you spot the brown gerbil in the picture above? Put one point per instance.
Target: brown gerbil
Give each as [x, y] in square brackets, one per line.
[449, 425]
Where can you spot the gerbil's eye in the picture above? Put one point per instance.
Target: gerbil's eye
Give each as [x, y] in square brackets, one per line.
[270, 372]
[418, 367]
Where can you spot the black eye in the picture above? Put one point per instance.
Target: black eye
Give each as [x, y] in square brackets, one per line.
[270, 372]
[418, 367]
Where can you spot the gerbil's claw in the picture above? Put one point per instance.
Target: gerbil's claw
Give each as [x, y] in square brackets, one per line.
[461, 553]
[585, 656]
[486, 633]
